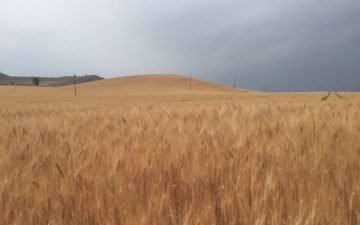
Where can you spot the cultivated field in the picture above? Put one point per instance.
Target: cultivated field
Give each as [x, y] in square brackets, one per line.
[149, 150]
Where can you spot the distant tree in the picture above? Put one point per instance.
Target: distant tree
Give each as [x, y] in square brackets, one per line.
[36, 81]
[12, 82]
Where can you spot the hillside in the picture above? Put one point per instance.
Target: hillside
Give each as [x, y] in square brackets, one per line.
[154, 83]
[46, 81]
[140, 87]
[3, 76]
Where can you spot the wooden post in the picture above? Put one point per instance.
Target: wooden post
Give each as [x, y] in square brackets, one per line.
[190, 81]
[234, 82]
[75, 84]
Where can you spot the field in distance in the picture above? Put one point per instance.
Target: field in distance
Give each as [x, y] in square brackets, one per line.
[163, 88]
[150, 150]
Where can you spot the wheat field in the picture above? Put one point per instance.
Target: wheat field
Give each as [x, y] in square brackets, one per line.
[150, 155]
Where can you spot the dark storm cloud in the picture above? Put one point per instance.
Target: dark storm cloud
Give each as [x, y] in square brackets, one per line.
[272, 45]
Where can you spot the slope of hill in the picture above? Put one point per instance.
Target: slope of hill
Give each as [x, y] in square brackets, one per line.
[2, 75]
[140, 87]
[145, 88]
[153, 83]
[46, 81]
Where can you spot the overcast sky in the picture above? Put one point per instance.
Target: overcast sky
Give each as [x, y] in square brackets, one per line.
[267, 45]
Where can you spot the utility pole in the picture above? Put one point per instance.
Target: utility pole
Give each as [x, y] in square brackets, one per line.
[234, 82]
[190, 81]
[75, 84]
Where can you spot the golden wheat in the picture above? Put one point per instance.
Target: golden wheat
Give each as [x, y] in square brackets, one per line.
[180, 162]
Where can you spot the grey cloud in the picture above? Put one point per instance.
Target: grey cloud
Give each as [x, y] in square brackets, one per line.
[272, 45]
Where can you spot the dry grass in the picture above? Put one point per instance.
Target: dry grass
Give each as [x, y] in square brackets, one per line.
[266, 159]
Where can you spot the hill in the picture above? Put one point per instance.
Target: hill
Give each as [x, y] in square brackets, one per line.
[154, 83]
[4, 78]
[46, 81]
[140, 87]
